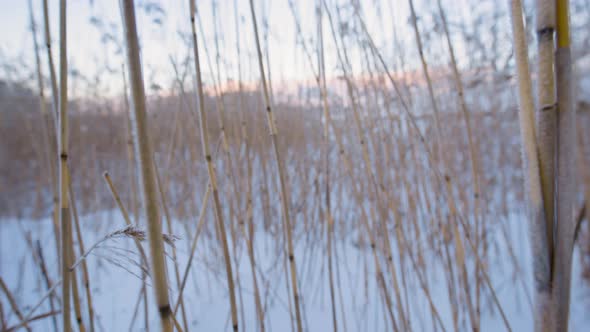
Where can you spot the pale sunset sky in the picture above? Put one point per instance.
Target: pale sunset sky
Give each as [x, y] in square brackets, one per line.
[160, 36]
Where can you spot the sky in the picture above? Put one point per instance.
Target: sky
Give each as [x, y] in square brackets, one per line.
[160, 38]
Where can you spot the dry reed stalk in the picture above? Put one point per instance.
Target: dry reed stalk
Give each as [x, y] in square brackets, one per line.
[541, 247]
[76, 296]
[378, 194]
[472, 153]
[66, 224]
[220, 102]
[420, 210]
[233, 197]
[125, 214]
[416, 128]
[176, 134]
[48, 127]
[131, 231]
[48, 283]
[50, 152]
[546, 119]
[169, 226]
[401, 250]
[13, 304]
[249, 204]
[380, 227]
[51, 313]
[49, 293]
[461, 220]
[283, 190]
[381, 178]
[405, 246]
[55, 106]
[136, 310]
[480, 232]
[200, 224]
[220, 110]
[426, 73]
[74, 285]
[85, 274]
[143, 152]
[566, 190]
[358, 195]
[129, 141]
[451, 288]
[211, 171]
[3, 319]
[138, 245]
[52, 75]
[326, 138]
[584, 172]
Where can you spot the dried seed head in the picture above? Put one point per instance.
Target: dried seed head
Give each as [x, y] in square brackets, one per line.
[170, 238]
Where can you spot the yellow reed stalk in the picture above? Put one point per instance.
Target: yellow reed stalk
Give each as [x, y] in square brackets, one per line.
[211, 171]
[144, 153]
[566, 191]
[282, 183]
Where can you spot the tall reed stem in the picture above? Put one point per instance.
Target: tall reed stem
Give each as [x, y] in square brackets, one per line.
[66, 224]
[222, 236]
[546, 127]
[326, 137]
[540, 247]
[144, 155]
[282, 183]
[49, 134]
[566, 170]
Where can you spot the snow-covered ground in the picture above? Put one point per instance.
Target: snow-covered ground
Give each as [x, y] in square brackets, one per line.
[116, 286]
